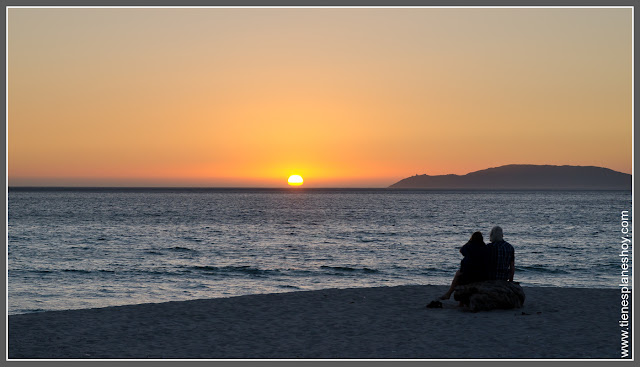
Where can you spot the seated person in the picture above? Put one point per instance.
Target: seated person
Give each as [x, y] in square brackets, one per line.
[473, 267]
[501, 255]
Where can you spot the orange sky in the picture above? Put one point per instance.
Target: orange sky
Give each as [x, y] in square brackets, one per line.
[343, 97]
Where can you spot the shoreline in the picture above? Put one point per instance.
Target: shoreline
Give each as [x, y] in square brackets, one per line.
[351, 323]
[524, 286]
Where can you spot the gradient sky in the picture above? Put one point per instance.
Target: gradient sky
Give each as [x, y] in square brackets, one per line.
[343, 97]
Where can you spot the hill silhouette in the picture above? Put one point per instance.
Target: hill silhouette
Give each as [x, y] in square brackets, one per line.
[523, 177]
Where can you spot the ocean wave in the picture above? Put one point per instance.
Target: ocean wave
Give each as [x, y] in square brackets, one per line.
[541, 269]
[151, 252]
[86, 271]
[83, 271]
[287, 286]
[349, 269]
[229, 270]
[181, 249]
[80, 248]
[22, 272]
[194, 239]
[367, 240]
[39, 271]
[31, 310]
[165, 271]
[433, 271]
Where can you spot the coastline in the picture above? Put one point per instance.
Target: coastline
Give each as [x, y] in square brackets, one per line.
[353, 323]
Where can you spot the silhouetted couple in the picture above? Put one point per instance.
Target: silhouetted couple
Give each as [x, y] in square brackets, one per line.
[484, 262]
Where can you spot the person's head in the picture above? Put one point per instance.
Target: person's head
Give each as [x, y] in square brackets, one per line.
[477, 237]
[495, 234]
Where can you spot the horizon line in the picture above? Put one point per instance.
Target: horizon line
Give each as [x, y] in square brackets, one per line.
[303, 187]
[293, 189]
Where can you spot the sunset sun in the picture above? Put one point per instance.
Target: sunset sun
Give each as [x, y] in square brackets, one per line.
[295, 180]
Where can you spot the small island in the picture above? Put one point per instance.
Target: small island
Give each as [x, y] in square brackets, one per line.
[524, 177]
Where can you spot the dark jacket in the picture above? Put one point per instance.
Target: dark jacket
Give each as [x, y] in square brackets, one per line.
[475, 264]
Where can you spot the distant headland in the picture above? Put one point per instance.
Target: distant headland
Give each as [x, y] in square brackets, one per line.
[524, 177]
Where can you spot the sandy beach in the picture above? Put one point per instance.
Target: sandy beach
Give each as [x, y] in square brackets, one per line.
[364, 323]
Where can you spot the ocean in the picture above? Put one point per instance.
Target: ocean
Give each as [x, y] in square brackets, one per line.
[85, 248]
